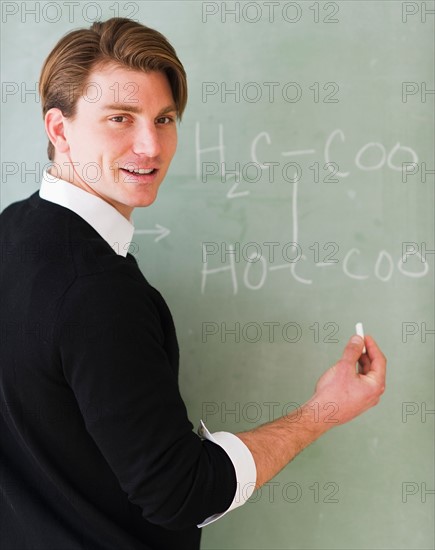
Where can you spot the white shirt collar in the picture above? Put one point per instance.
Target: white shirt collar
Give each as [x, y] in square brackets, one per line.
[115, 229]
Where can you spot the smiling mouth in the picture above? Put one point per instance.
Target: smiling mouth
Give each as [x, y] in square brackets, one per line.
[140, 171]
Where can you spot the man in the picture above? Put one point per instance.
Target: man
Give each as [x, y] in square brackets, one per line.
[97, 449]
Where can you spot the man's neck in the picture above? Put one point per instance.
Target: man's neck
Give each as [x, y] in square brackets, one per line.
[123, 209]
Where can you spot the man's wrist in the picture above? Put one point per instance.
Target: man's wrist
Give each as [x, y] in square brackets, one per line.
[319, 416]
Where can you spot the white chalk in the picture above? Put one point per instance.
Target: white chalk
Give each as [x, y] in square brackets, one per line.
[360, 331]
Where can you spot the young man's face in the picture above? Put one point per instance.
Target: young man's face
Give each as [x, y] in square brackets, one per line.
[126, 120]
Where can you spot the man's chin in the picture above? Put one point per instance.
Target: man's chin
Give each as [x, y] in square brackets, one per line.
[144, 201]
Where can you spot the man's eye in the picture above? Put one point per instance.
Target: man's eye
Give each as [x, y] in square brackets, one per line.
[118, 118]
[165, 120]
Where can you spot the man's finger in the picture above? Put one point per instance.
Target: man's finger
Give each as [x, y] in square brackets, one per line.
[364, 364]
[353, 349]
[378, 361]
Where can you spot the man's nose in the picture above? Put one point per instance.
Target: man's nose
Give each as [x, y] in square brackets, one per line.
[146, 141]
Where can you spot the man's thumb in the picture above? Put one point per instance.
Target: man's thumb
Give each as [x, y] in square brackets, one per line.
[353, 349]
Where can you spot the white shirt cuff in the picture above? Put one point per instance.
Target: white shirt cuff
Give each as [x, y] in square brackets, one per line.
[244, 466]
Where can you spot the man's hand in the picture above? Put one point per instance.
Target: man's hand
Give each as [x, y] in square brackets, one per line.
[352, 392]
[341, 388]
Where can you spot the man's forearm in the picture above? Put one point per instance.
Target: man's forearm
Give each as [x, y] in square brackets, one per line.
[275, 444]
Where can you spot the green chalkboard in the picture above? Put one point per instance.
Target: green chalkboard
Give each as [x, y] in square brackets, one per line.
[300, 201]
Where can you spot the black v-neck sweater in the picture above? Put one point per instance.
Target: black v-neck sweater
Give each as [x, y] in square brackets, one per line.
[97, 451]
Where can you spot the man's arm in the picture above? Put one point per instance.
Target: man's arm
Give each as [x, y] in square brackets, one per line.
[341, 394]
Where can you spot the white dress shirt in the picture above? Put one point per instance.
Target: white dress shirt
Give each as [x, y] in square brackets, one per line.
[117, 231]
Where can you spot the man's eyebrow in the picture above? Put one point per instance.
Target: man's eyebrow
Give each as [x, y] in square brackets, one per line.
[133, 109]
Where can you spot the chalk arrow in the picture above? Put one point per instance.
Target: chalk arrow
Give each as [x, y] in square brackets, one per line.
[159, 230]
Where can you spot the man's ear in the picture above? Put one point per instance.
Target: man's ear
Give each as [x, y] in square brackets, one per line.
[55, 128]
